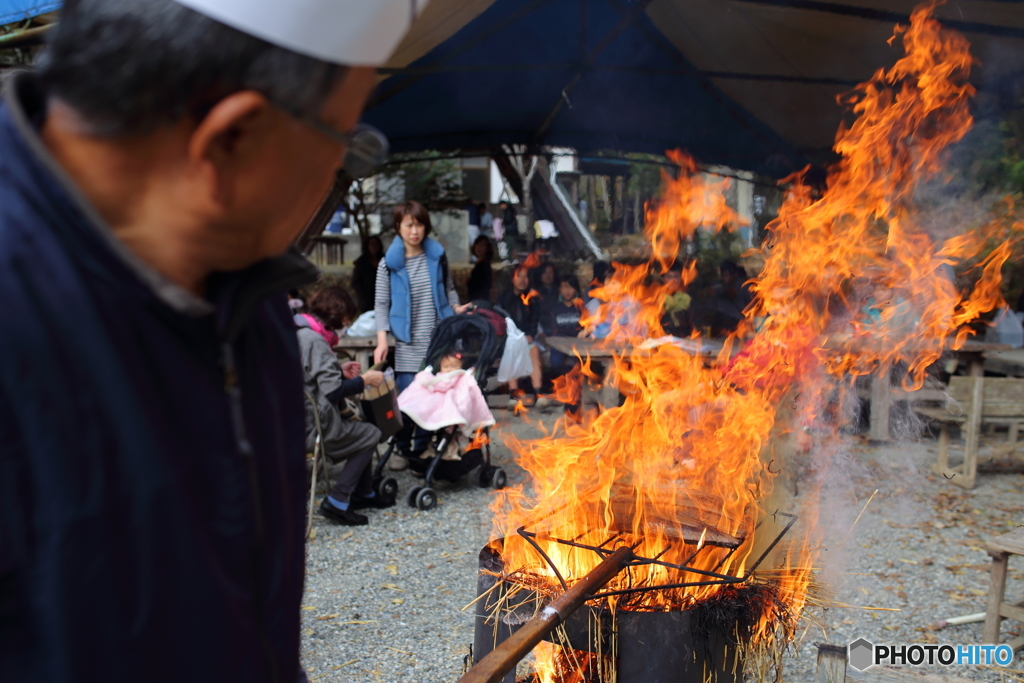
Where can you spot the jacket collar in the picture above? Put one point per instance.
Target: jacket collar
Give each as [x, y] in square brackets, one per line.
[26, 106]
[395, 256]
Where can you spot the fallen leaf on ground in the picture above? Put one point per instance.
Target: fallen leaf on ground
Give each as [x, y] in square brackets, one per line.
[392, 569]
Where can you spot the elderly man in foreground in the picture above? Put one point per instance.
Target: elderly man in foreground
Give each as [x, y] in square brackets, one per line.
[154, 169]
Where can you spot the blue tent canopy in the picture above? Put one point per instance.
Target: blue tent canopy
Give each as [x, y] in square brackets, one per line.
[16, 10]
[747, 83]
[583, 75]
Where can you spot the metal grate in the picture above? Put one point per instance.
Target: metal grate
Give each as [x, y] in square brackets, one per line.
[605, 549]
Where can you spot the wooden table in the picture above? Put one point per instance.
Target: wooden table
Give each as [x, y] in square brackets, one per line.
[883, 394]
[596, 349]
[328, 250]
[973, 353]
[1009, 363]
[605, 349]
[361, 348]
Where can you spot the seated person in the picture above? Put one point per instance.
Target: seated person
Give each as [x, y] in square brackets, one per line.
[482, 278]
[522, 305]
[564, 321]
[545, 281]
[449, 397]
[348, 441]
[727, 299]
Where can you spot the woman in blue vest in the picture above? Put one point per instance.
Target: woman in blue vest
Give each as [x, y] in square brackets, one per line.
[414, 291]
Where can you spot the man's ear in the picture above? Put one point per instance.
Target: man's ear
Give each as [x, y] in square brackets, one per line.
[225, 138]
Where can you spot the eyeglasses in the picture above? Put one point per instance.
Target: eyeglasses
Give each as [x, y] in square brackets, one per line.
[366, 148]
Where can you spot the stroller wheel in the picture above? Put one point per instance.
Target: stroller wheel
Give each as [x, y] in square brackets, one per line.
[499, 479]
[387, 488]
[426, 499]
[410, 497]
[483, 479]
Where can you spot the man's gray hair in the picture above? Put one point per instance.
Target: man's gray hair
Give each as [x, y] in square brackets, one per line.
[129, 67]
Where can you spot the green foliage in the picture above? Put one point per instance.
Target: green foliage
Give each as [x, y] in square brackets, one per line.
[645, 175]
[431, 178]
[712, 248]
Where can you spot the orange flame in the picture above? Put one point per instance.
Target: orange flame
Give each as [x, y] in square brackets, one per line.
[532, 260]
[480, 439]
[849, 282]
[528, 296]
[569, 387]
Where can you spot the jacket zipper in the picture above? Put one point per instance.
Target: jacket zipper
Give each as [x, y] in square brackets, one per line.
[234, 394]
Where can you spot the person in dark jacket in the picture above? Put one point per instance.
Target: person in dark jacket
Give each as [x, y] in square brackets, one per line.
[522, 304]
[364, 273]
[344, 440]
[152, 460]
[510, 227]
[481, 279]
[545, 281]
[564, 320]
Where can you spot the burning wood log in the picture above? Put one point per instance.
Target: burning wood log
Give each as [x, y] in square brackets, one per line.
[503, 658]
[692, 517]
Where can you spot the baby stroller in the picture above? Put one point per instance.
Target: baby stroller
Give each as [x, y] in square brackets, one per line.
[480, 339]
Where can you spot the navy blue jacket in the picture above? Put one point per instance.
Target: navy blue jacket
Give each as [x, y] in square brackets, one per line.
[400, 318]
[151, 448]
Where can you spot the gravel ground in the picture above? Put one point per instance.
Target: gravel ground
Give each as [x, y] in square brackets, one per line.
[918, 549]
[383, 602]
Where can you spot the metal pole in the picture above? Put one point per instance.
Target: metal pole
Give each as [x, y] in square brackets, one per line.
[503, 658]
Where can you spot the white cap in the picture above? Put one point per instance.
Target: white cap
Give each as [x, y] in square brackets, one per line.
[350, 32]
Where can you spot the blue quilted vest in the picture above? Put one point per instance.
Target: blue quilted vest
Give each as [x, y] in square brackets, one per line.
[400, 316]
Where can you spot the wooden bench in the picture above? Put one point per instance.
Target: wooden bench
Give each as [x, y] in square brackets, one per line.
[1000, 548]
[972, 402]
[361, 348]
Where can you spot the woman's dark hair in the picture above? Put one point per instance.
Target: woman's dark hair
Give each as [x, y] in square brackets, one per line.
[333, 305]
[490, 248]
[571, 280]
[537, 274]
[417, 211]
[602, 270]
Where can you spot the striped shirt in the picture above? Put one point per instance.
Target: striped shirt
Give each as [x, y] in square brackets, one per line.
[409, 357]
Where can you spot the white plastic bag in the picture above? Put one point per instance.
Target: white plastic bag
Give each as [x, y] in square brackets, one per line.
[515, 361]
[1006, 329]
[364, 326]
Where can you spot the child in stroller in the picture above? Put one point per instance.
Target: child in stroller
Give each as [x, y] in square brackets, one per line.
[450, 404]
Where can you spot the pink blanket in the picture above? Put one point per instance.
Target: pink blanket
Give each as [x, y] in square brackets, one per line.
[450, 398]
